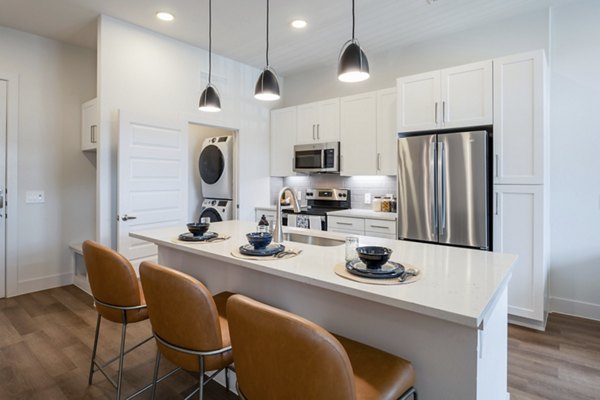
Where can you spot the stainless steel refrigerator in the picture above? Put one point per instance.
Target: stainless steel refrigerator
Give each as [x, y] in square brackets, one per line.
[443, 188]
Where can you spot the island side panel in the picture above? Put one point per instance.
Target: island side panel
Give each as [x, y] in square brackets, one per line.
[444, 354]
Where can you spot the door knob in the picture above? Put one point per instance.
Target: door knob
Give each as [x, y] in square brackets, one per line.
[127, 217]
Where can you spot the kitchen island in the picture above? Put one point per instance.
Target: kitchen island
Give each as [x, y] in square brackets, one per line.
[451, 323]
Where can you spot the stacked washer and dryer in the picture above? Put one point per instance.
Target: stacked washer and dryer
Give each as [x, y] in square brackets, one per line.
[216, 172]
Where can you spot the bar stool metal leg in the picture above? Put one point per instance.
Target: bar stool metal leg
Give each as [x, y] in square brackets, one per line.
[122, 354]
[155, 378]
[95, 348]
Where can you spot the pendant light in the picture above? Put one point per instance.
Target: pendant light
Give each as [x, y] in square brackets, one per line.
[267, 87]
[353, 65]
[209, 99]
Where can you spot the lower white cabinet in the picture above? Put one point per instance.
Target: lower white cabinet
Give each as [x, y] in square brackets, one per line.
[362, 226]
[519, 229]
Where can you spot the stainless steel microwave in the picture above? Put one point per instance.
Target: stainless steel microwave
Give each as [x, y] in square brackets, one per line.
[317, 157]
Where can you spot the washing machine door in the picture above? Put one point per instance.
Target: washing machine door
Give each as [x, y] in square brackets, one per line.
[212, 214]
[211, 164]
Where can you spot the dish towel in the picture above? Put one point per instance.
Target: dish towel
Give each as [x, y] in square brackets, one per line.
[314, 222]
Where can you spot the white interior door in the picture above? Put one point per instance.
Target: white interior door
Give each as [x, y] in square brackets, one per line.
[153, 181]
[3, 123]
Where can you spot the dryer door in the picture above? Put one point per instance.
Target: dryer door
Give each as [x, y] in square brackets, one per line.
[212, 214]
[211, 164]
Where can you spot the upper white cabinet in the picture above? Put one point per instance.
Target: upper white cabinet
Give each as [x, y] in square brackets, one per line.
[387, 145]
[450, 98]
[89, 125]
[283, 139]
[519, 98]
[319, 122]
[368, 133]
[359, 134]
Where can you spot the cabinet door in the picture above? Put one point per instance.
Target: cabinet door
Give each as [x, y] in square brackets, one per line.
[519, 119]
[418, 102]
[518, 229]
[283, 139]
[307, 123]
[381, 228]
[89, 125]
[359, 134]
[328, 121]
[467, 95]
[387, 146]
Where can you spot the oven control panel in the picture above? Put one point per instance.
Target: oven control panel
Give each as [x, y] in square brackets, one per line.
[328, 194]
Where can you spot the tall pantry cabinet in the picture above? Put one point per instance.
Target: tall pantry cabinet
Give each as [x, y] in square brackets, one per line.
[520, 165]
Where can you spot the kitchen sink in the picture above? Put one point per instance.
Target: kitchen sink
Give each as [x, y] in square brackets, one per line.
[314, 240]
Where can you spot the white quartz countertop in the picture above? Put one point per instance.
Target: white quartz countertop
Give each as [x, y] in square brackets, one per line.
[457, 285]
[358, 213]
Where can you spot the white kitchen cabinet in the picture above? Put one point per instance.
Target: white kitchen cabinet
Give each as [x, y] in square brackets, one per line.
[353, 226]
[387, 145]
[519, 119]
[319, 122]
[283, 139]
[89, 125]
[358, 134]
[381, 228]
[519, 229]
[450, 98]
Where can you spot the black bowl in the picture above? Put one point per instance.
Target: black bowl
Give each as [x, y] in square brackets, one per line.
[197, 228]
[374, 256]
[259, 240]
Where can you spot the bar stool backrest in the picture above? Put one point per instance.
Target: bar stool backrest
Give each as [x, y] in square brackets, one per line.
[279, 355]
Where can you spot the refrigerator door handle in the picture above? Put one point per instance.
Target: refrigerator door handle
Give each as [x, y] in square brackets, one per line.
[442, 187]
[432, 157]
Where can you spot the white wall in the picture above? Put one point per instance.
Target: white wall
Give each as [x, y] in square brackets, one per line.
[54, 79]
[146, 72]
[575, 162]
[196, 136]
[523, 33]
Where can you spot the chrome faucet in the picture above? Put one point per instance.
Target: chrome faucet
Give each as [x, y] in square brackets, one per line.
[278, 231]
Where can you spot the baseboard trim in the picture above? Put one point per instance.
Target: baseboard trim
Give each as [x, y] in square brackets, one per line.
[46, 282]
[574, 307]
[528, 323]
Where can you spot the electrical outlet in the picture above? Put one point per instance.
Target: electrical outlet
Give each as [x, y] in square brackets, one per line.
[35, 196]
[367, 198]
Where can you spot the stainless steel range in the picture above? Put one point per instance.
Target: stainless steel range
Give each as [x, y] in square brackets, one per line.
[318, 203]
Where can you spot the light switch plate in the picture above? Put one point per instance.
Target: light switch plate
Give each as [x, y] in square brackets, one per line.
[367, 198]
[35, 196]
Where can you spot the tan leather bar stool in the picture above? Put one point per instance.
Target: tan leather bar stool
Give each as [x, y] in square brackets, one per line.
[118, 297]
[189, 324]
[279, 355]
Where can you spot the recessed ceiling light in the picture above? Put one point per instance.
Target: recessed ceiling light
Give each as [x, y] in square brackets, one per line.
[165, 16]
[298, 23]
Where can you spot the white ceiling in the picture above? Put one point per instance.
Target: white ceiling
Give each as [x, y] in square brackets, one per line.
[239, 25]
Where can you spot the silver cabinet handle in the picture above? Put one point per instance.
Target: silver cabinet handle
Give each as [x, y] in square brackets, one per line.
[127, 217]
[380, 227]
[378, 161]
[497, 165]
[93, 133]
[318, 131]
[343, 223]
[497, 212]
[435, 113]
[443, 112]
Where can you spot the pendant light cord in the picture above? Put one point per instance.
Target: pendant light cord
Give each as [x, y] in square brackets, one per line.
[267, 53]
[353, 23]
[209, 40]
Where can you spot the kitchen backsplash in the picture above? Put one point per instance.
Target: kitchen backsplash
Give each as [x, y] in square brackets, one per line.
[359, 185]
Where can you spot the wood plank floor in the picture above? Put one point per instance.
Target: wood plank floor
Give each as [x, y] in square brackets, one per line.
[46, 339]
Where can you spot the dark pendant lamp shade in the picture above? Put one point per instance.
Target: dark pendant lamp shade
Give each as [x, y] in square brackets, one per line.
[267, 87]
[353, 65]
[209, 100]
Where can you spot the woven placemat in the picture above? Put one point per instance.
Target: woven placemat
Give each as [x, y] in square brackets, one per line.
[218, 239]
[292, 253]
[340, 269]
